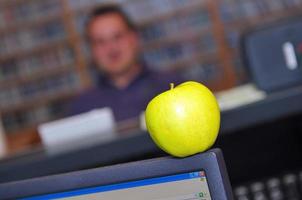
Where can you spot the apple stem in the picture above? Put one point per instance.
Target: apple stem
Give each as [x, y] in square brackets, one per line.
[171, 86]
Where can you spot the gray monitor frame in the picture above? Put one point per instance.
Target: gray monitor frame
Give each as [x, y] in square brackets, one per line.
[211, 162]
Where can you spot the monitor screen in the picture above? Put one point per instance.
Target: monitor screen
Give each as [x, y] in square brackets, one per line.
[186, 186]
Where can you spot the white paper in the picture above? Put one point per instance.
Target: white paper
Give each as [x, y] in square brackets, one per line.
[142, 121]
[239, 96]
[94, 126]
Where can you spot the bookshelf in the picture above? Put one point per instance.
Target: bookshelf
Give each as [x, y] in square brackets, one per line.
[38, 67]
[44, 55]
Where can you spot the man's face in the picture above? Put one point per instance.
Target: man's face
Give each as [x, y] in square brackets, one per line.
[114, 46]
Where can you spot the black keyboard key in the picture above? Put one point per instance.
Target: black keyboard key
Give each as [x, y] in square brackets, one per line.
[300, 183]
[290, 184]
[274, 189]
[258, 191]
[242, 193]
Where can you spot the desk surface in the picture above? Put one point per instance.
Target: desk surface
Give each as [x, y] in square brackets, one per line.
[274, 106]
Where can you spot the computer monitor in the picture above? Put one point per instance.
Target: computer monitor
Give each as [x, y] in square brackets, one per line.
[199, 177]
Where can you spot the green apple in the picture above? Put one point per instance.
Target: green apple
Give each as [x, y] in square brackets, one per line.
[184, 120]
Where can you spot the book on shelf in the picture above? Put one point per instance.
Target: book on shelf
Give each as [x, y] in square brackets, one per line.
[194, 21]
[28, 51]
[67, 84]
[30, 65]
[27, 11]
[165, 56]
[30, 117]
[234, 10]
[44, 87]
[28, 39]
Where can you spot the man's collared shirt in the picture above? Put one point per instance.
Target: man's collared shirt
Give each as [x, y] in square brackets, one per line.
[125, 103]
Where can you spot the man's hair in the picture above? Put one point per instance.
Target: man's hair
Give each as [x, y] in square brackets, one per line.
[109, 9]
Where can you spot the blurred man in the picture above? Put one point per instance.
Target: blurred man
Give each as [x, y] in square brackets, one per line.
[124, 83]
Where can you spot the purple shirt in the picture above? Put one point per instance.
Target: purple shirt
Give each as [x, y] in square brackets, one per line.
[128, 102]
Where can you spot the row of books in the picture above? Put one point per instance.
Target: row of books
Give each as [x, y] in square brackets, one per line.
[28, 11]
[171, 54]
[44, 87]
[232, 10]
[145, 10]
[26, 66]
[17, 120]
[194, 21]
[36, 9]
[139, 10]
[76, 5]
[14, 67]
[30, 38]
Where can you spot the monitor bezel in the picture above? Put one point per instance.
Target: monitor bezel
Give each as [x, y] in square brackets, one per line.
[211, 162]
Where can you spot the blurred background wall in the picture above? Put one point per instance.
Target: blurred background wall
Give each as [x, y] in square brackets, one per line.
[44, 58]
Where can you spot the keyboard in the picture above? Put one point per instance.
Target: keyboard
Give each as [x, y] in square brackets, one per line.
[284, 187]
